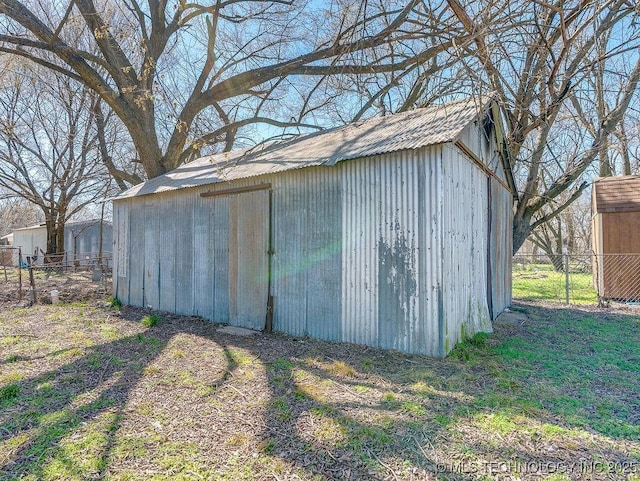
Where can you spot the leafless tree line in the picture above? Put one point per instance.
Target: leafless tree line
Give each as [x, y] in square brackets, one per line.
[165, 82]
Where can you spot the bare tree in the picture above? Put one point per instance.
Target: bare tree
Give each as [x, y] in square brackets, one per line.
[167, 68]
[49, 152]
[16, 213]
[545, 61]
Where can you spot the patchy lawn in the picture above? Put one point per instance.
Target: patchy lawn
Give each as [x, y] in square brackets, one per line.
[541, 282]
[90, 392]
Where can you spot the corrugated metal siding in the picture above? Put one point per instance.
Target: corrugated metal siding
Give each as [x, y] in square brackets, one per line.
[431, 228]
[389, 266]
[483, 145]
[136, 253]
[473, 136]
[465, 231]
[501, 247]
[221, 242]
[203, 259]
[249, 227]
[121, 250]
[388, 251]
[151, 253]
[167, 248]
[307, 245]
[184, 253]
[83, 238]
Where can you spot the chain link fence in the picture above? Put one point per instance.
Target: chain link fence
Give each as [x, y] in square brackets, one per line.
[577, 278]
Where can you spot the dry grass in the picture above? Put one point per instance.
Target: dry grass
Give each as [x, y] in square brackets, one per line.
[87, 392]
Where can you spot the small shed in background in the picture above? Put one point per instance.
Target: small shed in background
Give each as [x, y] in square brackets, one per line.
[31, 239]
[615, 205]
[394, 232]
[81, 241]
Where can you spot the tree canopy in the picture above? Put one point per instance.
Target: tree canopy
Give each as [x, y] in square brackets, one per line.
[186, 79]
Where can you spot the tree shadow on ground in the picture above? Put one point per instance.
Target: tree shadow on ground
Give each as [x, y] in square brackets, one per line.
[273, 406]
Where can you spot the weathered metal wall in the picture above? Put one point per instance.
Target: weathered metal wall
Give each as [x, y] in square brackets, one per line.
[388, 251]
[481, 142]
[307, 243]
[464, 249]
[390, 277]
[501, 247]
[82, 239]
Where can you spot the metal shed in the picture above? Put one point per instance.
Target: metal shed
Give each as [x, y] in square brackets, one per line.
[615, 207]
[394, 232]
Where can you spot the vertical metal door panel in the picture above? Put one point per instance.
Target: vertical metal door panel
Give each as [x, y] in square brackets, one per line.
[121, 250]
[289, 278]
[248, 286]
[240, 236]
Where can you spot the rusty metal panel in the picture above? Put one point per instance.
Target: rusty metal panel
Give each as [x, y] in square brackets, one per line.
[465, 249]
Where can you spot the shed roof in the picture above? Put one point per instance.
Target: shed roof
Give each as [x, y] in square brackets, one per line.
[407, 130]
[30, 227]
[617, 194]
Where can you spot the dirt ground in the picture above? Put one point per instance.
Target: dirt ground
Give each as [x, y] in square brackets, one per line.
[92, 392]
[71, 286]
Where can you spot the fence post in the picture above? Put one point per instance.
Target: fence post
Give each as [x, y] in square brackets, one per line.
[4, 265]
[19, 273]
[565, 254]
[32, 282]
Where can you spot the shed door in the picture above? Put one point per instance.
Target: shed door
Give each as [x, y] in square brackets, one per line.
[248, 258]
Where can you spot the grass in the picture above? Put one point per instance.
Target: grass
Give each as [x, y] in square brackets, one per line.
[541, 282]
[115, 303]
[107, 400]
[150, 320]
